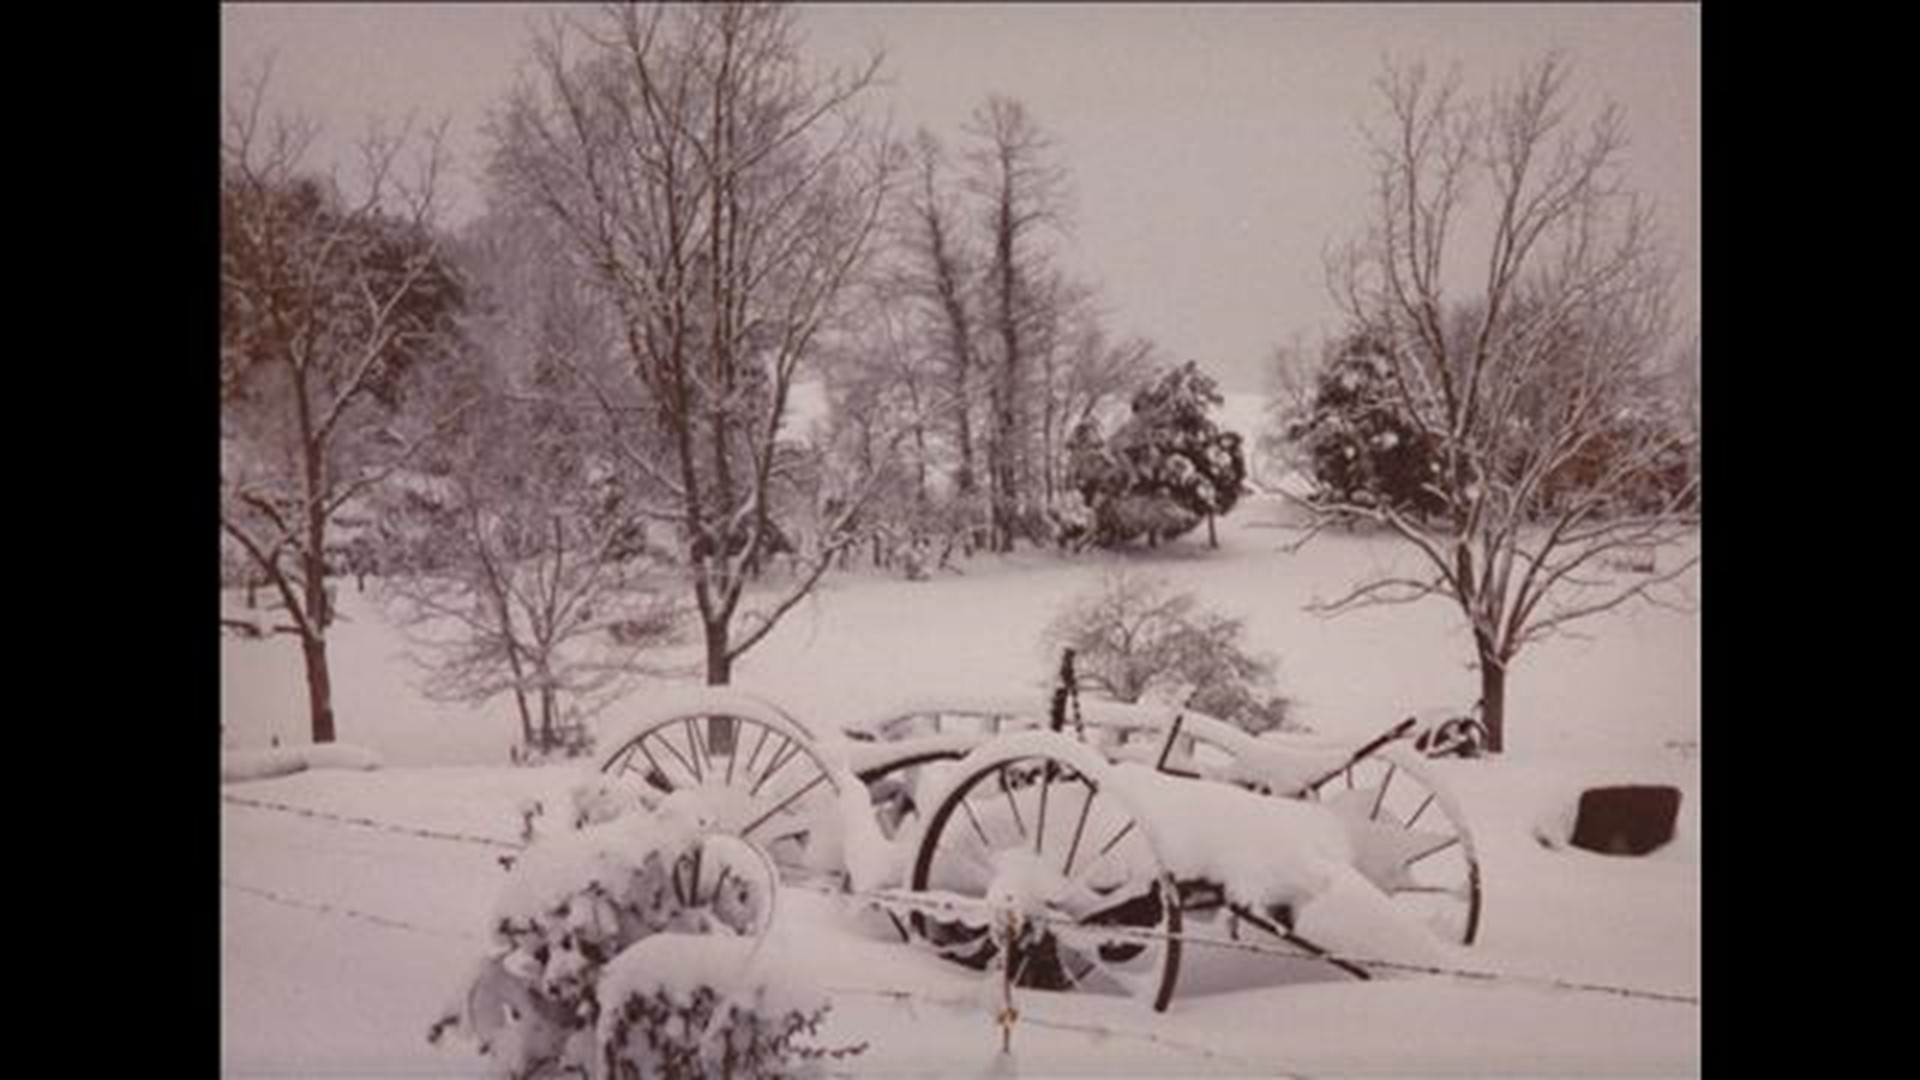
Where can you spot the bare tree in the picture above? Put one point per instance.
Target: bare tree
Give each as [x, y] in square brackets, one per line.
[1534, 385]
[940, 270]
[883, 379]
[1133, 637]
[541, 587]
[722, 198]
[332, 301]
[999, 309]
[1087, 374]
[532, 575]
[1290, 376]
[1024, 190]
[1686, 376]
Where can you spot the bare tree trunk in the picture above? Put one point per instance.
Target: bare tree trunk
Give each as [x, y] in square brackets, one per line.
[1493, 705]
[313, 649]
[1049, 417]
[1000, 470]
[719, 663]
[1003, 418]
[526, 715]
[1493, 700]
[1213, 538]
[313, 572]
[947, 290]
[964, 480]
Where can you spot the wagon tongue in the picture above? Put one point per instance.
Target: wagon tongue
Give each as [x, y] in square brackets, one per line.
[1365, 751]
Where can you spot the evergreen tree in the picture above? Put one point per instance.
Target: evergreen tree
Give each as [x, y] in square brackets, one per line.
[1361, 448]
[1168, 468]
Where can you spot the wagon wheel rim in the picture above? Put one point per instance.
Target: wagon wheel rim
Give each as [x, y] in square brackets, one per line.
[1111, 913]
[751, 778]
[1423, 856]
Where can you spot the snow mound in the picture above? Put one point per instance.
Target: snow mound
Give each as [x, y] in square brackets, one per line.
[1266, 852]
[239, 765]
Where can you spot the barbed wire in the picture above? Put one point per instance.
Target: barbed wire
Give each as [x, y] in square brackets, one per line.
[344, 911]
[980, 912]
[1098, 1031]
[379, 826]
[893, 902]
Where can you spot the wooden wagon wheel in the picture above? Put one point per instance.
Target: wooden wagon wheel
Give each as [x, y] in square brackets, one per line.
[1054, 838]
[740, 766]
[1411, 839]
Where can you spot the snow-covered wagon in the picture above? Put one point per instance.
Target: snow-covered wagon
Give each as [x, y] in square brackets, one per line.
[1091, 845]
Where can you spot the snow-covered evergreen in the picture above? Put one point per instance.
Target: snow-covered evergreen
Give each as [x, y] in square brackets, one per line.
[1166, 469]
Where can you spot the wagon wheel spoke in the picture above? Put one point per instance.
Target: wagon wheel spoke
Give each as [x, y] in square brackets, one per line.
[754, 778]
[654, 776]
[667, 752]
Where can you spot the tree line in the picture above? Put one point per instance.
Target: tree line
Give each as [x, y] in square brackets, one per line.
[563, 431]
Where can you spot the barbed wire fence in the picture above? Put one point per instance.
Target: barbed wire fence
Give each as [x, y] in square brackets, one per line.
[895, 904]
[378, 826]
[346, 912]
[899, 902]
[912, 999]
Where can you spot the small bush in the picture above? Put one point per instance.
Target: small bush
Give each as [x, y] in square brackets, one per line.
[1134, 637]
[566, 743]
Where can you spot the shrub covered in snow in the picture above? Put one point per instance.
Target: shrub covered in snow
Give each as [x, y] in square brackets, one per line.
[576, 903]
[675, 1005]
[1134, 638]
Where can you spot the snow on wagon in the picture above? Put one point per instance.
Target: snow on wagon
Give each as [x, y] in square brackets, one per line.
[1082, 847]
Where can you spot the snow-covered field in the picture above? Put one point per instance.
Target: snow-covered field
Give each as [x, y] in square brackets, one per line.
[341, 941]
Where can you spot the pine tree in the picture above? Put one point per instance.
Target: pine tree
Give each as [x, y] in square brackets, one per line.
[1168, 468]
[1361, 448]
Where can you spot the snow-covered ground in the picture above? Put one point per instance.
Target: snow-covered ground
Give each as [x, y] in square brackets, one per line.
[342, 939]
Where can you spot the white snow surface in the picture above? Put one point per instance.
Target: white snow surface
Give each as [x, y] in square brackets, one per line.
[237, 765]
[341, 942]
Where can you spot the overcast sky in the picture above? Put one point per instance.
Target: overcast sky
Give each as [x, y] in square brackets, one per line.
[1214, 149]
